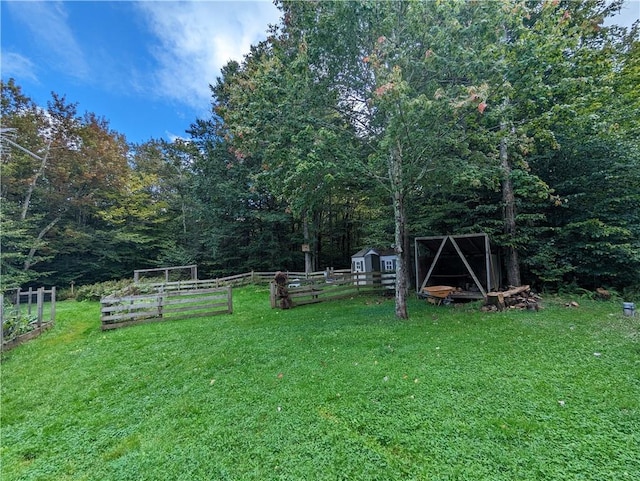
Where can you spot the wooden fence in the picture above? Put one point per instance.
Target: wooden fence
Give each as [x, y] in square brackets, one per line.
[25, 314]
[253, 277]
[167, 303]
[345, 285]
[166, 271]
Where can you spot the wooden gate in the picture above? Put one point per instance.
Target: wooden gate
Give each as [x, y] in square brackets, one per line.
[163, 306]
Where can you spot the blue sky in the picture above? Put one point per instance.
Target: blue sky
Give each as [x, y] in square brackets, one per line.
[144, 66]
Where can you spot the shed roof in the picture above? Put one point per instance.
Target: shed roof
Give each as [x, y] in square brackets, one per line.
[376, 251]
[365, 251]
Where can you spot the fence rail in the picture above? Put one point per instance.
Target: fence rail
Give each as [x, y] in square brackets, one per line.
[339, 287]
[253, 277]
[25, 314]
[163, 305]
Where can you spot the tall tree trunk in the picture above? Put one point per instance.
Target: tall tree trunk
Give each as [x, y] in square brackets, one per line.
[308, 260]
[509, 200]
[184, 217]
[400, 221]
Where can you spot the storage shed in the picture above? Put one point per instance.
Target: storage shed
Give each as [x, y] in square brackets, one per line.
[365, 260]
[372, 259]
[465, 262]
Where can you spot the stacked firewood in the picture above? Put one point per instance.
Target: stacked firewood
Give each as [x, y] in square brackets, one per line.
[515, 298]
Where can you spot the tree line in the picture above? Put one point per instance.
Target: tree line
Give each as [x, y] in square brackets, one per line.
[354, 123]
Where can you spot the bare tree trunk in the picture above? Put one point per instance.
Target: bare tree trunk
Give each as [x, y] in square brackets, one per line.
[400, 221]
[32, 185]
[34, 248]
[508, 198]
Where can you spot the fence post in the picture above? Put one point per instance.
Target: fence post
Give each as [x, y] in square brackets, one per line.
[40, 297]
[160, 301]
[53, 304]
[230, 299]
[272, 295]
[1, 321]
[29, 301]
[18, 301]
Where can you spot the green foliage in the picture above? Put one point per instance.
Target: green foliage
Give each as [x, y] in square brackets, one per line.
[244, 227]
[14, 236]
[16, 321]
[95, 292]
[285, 144]
[352, 124]
[329, 391]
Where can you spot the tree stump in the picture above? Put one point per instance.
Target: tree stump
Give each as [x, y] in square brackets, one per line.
[282, 292]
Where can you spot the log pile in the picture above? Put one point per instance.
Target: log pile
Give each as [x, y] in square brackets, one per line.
[516, 298]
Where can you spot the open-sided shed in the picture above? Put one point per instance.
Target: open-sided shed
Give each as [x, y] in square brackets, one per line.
[465, 262]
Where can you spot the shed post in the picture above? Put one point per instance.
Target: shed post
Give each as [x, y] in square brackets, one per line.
[415, 252]
[487, 254]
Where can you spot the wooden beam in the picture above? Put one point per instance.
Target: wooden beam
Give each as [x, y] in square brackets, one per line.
[487, 259]
[433, 263]
[464, 260]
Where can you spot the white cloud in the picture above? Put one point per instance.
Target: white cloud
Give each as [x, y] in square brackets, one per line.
[48, 24]
[17, 66]
[196, 39]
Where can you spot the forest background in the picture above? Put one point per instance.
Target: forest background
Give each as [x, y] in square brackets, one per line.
[354, 124]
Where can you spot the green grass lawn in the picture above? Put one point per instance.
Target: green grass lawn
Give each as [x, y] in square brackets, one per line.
[332, 391]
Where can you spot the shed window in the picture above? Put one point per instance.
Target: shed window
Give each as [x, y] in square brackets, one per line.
[358, 266]
[389, 265]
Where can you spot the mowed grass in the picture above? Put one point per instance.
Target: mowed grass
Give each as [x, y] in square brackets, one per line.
[332, 391]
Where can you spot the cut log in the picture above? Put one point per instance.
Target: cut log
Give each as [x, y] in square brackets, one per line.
[496, 299]
[510, 292]
[515, 298]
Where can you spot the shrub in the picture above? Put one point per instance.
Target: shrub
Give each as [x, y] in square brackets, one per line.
[16, 323]
[95, 292]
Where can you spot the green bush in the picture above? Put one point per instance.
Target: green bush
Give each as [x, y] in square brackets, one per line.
[123, 287]
[16, 323]
[95, 292]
